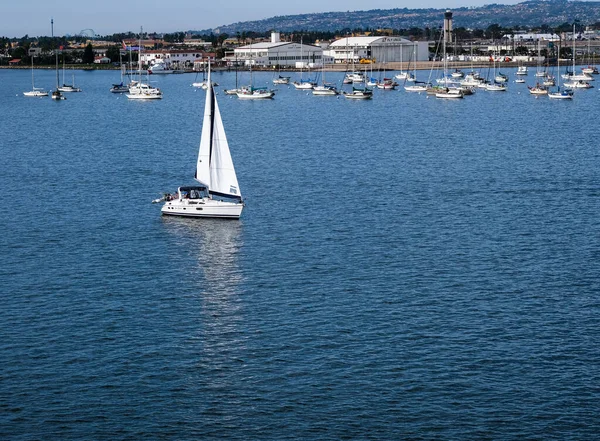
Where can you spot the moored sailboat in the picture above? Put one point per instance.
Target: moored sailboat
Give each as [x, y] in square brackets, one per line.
[35, 91]
[564, 94]
[56, 94]
[141, 90]
[68, 87]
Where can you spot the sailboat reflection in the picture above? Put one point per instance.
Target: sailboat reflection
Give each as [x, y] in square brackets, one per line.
[216, 331]
[217, 244]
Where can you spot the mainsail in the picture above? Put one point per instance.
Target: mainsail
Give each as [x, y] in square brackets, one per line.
[215, 167]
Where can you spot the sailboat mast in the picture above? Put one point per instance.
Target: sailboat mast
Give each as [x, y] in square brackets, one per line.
[55, 51]
[140, 55]
[573, 48]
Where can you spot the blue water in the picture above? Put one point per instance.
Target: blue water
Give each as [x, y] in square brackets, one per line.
[405, 268]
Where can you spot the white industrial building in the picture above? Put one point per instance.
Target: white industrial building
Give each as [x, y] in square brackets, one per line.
[378, 49]
[277, 52]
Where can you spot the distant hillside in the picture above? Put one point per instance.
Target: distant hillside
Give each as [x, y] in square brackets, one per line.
[529, 13]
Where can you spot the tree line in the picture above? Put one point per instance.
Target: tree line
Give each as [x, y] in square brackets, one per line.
[19, 47]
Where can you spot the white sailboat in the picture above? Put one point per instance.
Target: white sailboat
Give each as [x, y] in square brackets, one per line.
[303, 84]
[237, 89]
[121, 87]
[449, 91]
[68, 87]
[35, 91]
[218, 193]
[250, 92]
[140, 90]
[417, 86]
[577, 80]
[281, 79]
[202, 84]
[325, 89]
[564, 94]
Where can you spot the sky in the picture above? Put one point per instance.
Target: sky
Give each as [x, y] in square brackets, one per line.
[105, 17]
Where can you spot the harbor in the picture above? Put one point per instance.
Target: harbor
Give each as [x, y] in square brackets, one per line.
[405, 267]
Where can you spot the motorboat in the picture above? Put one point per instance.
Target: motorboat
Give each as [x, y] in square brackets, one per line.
[143, 91]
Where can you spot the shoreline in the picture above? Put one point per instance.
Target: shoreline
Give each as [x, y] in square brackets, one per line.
[376, 67]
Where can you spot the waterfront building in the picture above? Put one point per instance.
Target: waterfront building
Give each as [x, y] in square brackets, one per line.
[380, 49]
[174, 58]
[277, 53]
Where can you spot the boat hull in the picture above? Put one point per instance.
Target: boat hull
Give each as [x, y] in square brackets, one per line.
[69, 89]
[141, 96]
[255, 96]
[205, 208]
[35, 93]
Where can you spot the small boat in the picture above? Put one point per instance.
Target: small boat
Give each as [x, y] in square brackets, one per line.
[471, 80]
[578, 84]
[387, 84]
[521, 70]
[447, 93]
[203, 84]
[119, 88]
[57, 95]
[304, 84]
[520, 80]
[160, 66]
[68, 87]
[501, 78]
[140, 90]
[402, 75]
[354, 77]
[35, 91]
[549, 81]
[417, 87]
[143, 91]
[560, 94]
[281, 80]
[564, 94]
[359, 94]
[495, 87]
[457, 74]
[217, 194]
[327, 89]
[538, 89]
[577, 77]
[590, 70]
[255, 93]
